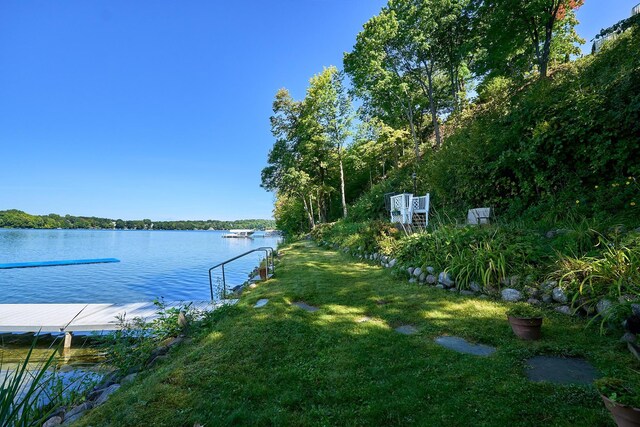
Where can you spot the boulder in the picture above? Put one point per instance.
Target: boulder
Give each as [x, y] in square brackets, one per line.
[635, 308]
[392, 263]
[417, 271]
[532, 292]
[446, 280]
[422, 278]
[475, 287]
[129, 378]
[431, 279]
[564, 309]
[466, 292]
[430, 270]
[106, 393]
[549, 285]
[77, 409]
[412, 280]
[628, 337]
[510, 294]
[76, 413]
[53, 421]
[547, 299]
[533, 301]
[553, 233]
[440, 286]
[603, 306]
[410, 270]
[559, 295]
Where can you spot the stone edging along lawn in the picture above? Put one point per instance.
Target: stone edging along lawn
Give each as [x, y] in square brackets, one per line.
[344, 363]
[547, 293]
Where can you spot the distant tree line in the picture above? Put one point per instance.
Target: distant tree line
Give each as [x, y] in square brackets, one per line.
[14, 218]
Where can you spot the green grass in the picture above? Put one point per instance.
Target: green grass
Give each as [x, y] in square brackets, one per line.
[280, 365]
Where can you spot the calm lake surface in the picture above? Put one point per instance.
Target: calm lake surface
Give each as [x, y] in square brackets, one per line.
[153, 264]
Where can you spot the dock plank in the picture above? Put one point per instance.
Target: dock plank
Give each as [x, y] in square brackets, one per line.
[84, 317]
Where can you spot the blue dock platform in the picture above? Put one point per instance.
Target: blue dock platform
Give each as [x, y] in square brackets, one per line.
[57, 263]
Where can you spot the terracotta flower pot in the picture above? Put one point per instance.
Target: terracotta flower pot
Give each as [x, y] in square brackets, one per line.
[527, 328]
[625, 416]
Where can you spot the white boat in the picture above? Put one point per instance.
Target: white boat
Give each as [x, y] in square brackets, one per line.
[239, 234]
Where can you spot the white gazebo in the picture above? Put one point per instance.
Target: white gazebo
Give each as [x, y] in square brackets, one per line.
[408, 209]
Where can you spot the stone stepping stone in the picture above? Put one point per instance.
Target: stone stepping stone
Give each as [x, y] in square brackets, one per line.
[363, 319]
[560, 370]
[406, 330]
[261, 303]
[306, 306]
[463, 346]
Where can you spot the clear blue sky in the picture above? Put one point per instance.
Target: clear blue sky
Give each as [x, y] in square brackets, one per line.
[160, 109]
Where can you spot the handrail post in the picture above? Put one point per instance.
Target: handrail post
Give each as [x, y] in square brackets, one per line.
[211, 285]
[269, 257]
[224, 284]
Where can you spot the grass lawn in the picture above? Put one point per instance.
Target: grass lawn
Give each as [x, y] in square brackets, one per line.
[281, 365]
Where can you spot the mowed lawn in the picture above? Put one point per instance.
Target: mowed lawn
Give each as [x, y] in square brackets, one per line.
[345, 365]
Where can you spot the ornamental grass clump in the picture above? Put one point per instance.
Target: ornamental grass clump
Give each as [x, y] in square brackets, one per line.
[25, 396]
[613, 273]
[487, 255]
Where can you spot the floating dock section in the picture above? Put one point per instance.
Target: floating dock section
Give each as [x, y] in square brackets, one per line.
[57, 263]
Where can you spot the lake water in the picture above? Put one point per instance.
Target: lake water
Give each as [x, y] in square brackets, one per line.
[153, 264]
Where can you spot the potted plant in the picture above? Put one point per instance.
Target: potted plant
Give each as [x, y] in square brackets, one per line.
[622, 399]
[263, 269]
[526, 321]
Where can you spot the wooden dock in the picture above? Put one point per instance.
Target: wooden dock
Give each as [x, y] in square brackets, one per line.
[69, 318]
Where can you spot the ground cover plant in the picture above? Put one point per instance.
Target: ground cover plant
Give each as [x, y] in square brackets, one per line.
[345, 365]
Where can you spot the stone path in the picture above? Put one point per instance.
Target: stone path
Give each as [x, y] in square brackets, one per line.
[463, 346]
[560, 370]
[406, 330]
[306, 306]
[261, 303]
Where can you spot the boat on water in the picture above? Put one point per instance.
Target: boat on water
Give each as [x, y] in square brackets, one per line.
[239, 234]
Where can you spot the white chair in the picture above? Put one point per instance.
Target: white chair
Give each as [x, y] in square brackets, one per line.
[479, 216]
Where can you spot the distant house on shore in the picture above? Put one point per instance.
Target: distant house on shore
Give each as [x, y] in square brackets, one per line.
[615, 30]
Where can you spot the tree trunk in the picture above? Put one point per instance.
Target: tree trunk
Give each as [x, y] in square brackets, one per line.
[432, 106]
[344, 199]
[416, 141]
[546, 49]
[308, 208]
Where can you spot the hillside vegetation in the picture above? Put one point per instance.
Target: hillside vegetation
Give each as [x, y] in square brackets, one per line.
[563, 146]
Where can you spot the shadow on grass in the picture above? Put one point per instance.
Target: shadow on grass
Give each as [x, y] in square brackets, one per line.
[282, 365]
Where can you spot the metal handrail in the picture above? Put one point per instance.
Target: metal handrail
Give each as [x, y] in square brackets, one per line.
[268, 250]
